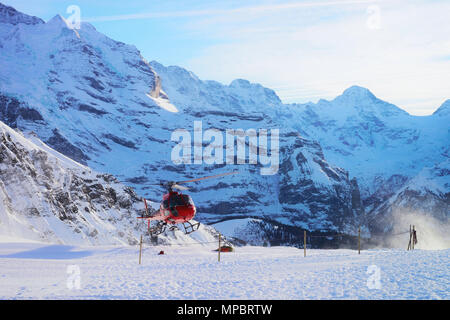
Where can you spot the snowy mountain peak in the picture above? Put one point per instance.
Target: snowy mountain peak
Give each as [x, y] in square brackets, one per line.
[357, 94]
[176, 70]
[12, 16]
[444, 109]
[58, 21]
[244, 88]
[365, 102]
[185, 89]
[242, 83]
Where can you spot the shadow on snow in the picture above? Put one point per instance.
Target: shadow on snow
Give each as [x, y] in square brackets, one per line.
[50, 252]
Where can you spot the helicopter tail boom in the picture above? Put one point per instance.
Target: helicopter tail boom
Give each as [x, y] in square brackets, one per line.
[156, 216]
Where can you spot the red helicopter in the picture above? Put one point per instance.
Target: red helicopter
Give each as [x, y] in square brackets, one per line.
[175, 208]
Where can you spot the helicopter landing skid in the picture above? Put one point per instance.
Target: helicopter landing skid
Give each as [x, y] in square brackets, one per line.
[189, 227]
[159, 228]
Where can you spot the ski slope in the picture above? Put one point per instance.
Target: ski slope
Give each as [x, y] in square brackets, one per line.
[32, 270]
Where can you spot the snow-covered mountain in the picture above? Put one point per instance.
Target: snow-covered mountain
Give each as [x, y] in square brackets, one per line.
[99, 102]
[425, 195]
[371, 138]
[12, 16]
[380, 145]
[48, 197]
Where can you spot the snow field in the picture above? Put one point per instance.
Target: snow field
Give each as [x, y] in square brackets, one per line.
[42, 271]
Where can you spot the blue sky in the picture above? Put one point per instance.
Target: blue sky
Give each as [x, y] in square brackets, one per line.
[304, 50]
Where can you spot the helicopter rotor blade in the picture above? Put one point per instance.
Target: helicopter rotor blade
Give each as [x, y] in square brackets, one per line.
[209, 177]
[176, 186]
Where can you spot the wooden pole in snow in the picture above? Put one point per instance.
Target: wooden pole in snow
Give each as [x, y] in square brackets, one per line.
[409, 244]
[359, 240]
[140, 250]
[218, 258]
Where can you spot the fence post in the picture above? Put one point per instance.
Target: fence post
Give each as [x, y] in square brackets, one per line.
[409, 244]
[359, 240]
[218, 258]
[140, 250]
[304, 243]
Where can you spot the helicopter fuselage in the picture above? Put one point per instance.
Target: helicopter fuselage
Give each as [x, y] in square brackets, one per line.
[175, 208]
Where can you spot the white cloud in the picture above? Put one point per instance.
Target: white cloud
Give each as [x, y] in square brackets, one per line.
[246, 10]
[401, 60]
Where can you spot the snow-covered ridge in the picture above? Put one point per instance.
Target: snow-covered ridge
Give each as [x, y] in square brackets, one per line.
[186, 90]
[45, 196]
[443, 110]
[12, 16]
[427, 195]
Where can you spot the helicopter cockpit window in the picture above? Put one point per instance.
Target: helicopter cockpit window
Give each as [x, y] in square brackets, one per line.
[166, 204]
[188, 200]
[176, 200]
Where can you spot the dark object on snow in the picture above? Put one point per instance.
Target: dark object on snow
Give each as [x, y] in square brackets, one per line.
[225, 249]
[161, 252]
[412, 238]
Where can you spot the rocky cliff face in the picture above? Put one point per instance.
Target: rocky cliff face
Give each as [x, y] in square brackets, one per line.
[64, 72]
[14, 17]
[48, 197]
